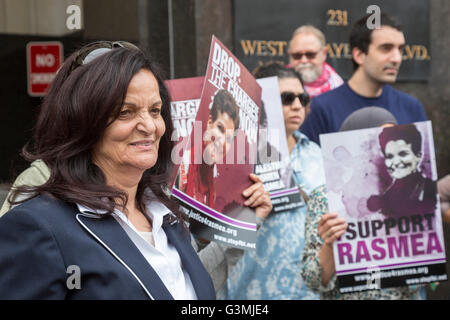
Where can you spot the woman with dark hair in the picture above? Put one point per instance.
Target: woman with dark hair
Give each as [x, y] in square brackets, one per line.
[102, 226]
[272, 271]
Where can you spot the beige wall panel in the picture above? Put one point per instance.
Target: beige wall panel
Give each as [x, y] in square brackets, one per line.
[36, 17]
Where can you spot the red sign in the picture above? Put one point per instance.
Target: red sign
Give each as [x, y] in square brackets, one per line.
[43, 61]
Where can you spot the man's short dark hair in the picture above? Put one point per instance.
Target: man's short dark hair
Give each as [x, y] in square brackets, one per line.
[361, 35]
[407, 133]
[224, 103]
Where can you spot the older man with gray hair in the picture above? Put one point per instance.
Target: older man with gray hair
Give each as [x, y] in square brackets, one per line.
[307, 54]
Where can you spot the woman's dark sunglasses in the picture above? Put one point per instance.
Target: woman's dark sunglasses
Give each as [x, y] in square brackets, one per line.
[287, 98]
[87, 54]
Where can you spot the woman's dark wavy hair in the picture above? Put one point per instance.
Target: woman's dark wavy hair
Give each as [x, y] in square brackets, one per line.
[74, 114]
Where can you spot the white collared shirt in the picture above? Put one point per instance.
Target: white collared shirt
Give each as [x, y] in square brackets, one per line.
[163, 257]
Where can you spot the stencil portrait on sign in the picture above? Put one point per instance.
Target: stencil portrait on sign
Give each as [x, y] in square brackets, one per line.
[411, 190]
[382, 181]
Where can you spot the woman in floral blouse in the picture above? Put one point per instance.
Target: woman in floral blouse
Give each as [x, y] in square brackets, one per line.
[323, 228]
[272, 271]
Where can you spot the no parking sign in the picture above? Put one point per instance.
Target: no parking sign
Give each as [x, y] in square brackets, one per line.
[43, 61]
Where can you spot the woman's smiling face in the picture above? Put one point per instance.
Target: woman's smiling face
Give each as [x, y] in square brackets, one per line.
[399, 158]
[132, 140]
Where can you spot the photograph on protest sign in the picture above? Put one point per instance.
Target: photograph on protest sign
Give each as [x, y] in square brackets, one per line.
[220, 153]
[273, 162]
[383, 182]
[184, 102]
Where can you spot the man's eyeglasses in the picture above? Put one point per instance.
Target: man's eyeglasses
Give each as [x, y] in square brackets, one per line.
[299, 55]
[287, 98]
[96, 49]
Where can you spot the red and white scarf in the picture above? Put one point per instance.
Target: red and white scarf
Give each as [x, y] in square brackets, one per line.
[328, 80]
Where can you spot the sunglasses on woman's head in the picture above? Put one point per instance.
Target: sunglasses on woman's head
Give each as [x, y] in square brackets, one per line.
[287, 98]
[96, 49]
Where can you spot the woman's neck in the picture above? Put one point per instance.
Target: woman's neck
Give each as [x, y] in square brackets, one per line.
[127, 180]
[291, 141]
[123, 179]
[135, 215]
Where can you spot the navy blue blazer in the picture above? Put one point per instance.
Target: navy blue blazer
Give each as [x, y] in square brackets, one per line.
[41, 238]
